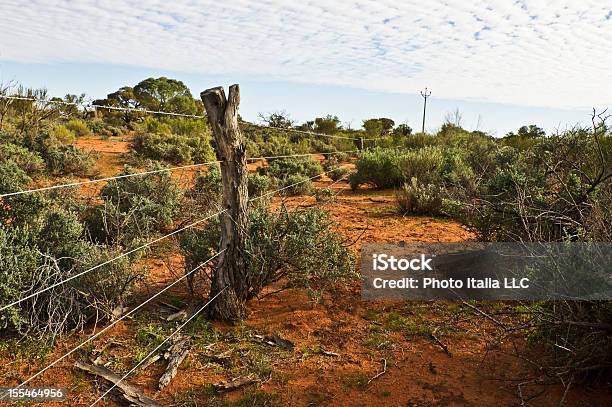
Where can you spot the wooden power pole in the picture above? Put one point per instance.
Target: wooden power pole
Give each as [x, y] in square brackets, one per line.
[230, 147]
[425, 96]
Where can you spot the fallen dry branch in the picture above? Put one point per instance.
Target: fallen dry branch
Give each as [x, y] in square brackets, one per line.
[175, 356]
[235, 383]
[152, 359]
[438, 342]
[328, 353]
[129, 393]
[381, 373]
[275, 340]
[484, 314]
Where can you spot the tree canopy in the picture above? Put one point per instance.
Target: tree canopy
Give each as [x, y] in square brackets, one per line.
[158, 94]
[378, 127]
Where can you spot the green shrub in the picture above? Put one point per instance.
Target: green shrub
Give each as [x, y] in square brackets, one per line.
[134, 208]
[62, 134]
[419, 199]
[209, 182]
[100, 127]
[19, 209]
[173, 148]
[18, 259]
[296, 185]
[96, 125]
[333, 168]
[418, 140]
[379, 167]
[275, 146]
[324, 195]
[28, 161]
[69, 160]
[386, 168]
[424, 164]
[283, 168]
[28, 264]
[61, 233]
[339, 173]
[299, 245]
[456, 172]
[78, 127]
[207, 188]
[12, 177]
[155, 126]
[321, 146]
[259, 184]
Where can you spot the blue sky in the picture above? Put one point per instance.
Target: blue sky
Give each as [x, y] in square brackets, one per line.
[501, 63]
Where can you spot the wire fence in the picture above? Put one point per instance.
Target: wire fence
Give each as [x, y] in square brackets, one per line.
[93, 181]
[148, 300]
[89, 270]
[90, 105]
[116, 321]
[156, 240]
[158, 347]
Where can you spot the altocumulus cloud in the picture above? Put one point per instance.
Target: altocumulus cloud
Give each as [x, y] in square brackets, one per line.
[526, 52]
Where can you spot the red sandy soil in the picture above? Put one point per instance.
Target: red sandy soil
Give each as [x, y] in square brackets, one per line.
[110, 152]
[418, 371]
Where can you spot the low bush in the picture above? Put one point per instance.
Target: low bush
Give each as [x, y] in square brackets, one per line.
[456, 173]
[296, 185]
[387, 168]
[208, 182]
[551, 191]
[206, 191]
[381, 168]
[78, 127]
[134, 208]
[321, 146]
[62, 134]
[173, 148]
[20, 209]
[298, 245]
[424, 164]
[12, 177]
[274, 146]
[100, 127]
[66, 159]
[259, 184]
[324, 195]
[416, 141]
[28, 161]
[419, 199]
[334, 169]
[34, 259]
[283, 168]
[339, 173]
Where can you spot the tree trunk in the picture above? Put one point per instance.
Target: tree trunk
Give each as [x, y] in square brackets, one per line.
[230, 147]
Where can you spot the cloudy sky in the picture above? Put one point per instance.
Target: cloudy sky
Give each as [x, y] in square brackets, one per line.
[500, 62]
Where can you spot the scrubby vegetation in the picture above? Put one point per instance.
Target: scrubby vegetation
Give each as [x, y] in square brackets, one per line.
[132, 209]
[176, 141]
[294, 245]
[524, 187]
[47, 237]
[294, 175]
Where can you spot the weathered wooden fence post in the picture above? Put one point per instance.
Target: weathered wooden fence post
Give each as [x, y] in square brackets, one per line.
[230, 147]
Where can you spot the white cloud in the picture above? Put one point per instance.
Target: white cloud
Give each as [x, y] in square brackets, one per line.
[527, 52]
